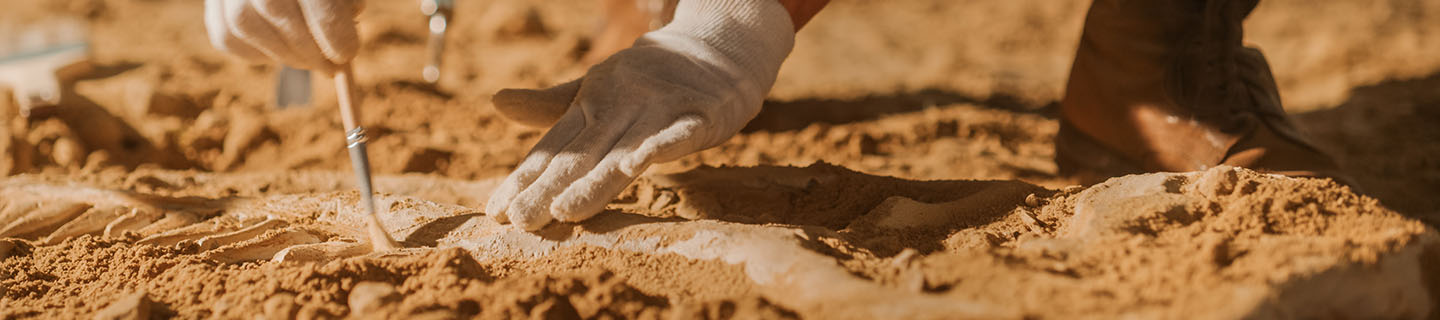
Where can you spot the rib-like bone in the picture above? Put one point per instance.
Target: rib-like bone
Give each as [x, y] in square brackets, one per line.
[191, 232]
[92, 222]
[219, 240]
[133, 221]
[12, 208]
[171, 221]
[6, 245]
[263, 248]
[321, 252]
[899, 212]
[44, 218]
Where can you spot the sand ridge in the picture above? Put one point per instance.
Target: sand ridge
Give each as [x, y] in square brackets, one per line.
[973, 249]
[852, 194]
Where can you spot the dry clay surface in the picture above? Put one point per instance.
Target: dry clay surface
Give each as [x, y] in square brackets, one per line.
[166, 186]
[771, 242]
[923, 89]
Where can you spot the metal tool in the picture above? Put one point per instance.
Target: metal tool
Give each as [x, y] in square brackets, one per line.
[355, 141]
[292, 87]
[439, 12]
[35, 57]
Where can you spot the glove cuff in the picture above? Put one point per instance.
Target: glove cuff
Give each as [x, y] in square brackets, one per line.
[754, 36]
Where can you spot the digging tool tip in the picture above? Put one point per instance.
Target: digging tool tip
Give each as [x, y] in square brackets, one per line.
[355, 141]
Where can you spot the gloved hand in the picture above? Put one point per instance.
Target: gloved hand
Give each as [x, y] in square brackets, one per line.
[310, 34]
[684, 88]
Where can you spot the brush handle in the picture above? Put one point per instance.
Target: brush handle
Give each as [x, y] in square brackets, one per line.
[345, 96]
[355, 141]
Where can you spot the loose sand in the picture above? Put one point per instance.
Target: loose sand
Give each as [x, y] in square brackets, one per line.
[819, 241]
[850, 196]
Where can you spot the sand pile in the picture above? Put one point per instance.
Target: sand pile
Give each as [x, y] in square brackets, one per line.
[848, 196]
[929, 90]
[781, 242]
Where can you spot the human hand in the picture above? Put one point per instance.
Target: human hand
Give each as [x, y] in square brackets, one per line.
[309, 34]
[684, 88]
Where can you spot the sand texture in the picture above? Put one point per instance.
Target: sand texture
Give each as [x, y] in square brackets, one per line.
[901, 169]
[1222, 243]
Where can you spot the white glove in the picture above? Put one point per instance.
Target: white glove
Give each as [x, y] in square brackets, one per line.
[310, 34]
[684, 88]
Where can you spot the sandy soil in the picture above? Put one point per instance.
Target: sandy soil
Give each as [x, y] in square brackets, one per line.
[849, 196]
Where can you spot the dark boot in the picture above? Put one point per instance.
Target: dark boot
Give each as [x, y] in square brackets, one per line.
[1169, 86]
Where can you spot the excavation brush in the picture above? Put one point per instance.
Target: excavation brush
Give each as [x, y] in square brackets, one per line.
[355, 141]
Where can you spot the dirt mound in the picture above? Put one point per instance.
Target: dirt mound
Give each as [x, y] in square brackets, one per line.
[1222, 243]
[436, 283]
[166, 185]
[926, 91]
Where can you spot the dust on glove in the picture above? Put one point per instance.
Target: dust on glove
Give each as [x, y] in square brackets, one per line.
[684, 88]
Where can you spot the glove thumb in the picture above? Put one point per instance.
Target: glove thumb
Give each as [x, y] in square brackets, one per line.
[536, 107]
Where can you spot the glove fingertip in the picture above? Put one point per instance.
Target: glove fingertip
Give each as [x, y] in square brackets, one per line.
[530, 220]
[578, 204]
[499, 201]
[496, 209]
[588, 196]
[500, 218]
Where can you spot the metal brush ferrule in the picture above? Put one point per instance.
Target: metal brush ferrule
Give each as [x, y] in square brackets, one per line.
[355, 137]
